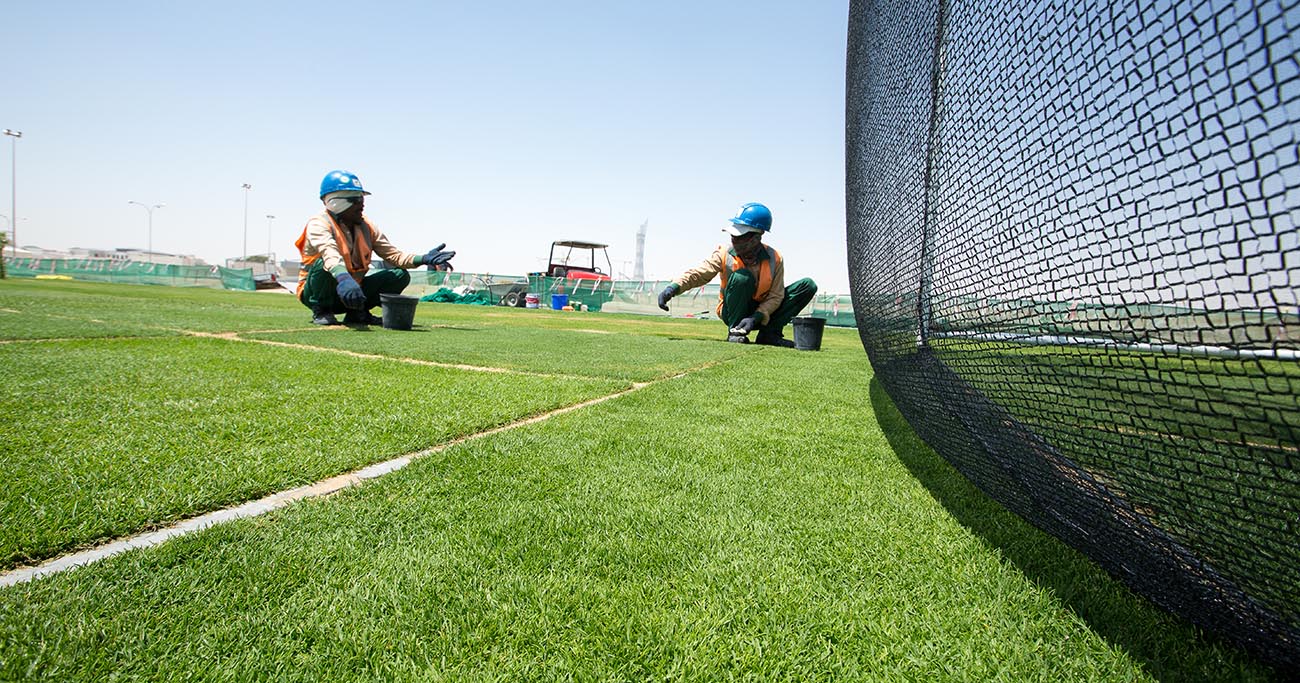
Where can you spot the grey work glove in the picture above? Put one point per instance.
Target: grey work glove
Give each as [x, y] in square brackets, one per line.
[669, 292]
[350, 292]
[745, 326]
[437, 257]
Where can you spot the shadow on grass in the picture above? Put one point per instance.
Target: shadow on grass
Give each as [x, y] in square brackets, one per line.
[1166, 646]
[429, 327]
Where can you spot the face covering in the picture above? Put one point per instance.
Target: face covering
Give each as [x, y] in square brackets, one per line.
[337, 205]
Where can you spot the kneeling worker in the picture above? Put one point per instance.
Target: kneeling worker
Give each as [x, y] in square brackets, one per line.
[336, 246]
[753, 295]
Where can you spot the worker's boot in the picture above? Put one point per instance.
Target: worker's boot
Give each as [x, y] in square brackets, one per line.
[361, 317]
[769, 337]
[321, 316]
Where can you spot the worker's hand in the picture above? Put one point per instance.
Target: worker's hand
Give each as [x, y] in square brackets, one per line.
[437, 257]
[745, 326]
[669, 292]
[350, 292]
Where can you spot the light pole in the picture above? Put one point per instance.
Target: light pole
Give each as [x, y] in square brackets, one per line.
[149, 209]
[13, 189]
[269, 218]
[246, 187]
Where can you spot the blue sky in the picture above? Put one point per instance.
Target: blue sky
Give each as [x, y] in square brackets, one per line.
[494, 127]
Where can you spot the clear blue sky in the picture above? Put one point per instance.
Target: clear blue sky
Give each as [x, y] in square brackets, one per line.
[495, 127]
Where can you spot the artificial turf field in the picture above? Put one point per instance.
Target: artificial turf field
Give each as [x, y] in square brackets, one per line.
[738, 512]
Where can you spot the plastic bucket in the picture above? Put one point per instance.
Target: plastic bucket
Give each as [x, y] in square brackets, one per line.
[559, 301]
[532, 301]
[808, 333]
[399, 311]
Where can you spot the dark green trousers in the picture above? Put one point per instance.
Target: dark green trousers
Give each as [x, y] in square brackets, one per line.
[321, 289]
[738, 301]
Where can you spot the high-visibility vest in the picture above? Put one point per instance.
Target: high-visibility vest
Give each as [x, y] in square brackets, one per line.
[732, 263]
[357, 262]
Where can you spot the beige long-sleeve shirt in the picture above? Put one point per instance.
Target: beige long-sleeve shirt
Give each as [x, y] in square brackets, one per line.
[320, 240]
[704, 273]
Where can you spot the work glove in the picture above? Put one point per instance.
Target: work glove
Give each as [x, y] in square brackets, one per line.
[745, 325]
[350, 292]
[437, 257]
[669, 292]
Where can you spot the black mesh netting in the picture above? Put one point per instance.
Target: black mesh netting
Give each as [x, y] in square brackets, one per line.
[1075, 257]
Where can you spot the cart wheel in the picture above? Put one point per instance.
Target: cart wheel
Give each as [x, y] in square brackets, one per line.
[510, 299]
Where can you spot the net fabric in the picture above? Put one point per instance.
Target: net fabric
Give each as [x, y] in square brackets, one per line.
[1075, 259]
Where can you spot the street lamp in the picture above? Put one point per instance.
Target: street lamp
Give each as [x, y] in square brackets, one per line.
[149, 209]
[269, 218]
[13, 189]
[246, 187]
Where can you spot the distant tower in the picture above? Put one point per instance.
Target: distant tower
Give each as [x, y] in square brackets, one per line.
[639, 272]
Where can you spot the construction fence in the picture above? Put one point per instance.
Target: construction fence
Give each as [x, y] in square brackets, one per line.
[612, 296]
[133, 272]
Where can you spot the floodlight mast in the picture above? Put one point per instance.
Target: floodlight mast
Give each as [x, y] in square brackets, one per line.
[13, 189]
[269, 218]
[246, 187]
[149, 208]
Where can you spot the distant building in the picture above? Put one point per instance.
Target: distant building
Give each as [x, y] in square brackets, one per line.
[125, 254]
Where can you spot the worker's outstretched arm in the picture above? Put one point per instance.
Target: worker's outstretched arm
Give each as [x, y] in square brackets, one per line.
[697, 276]
[385, 250]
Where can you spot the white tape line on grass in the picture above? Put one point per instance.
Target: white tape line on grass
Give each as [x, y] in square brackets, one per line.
[234, 336]
[279, 500]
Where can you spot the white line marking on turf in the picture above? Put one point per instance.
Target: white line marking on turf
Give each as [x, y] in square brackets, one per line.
[283, 498]
[234, 336]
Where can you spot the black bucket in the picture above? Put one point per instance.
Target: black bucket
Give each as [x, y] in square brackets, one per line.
[808, 333]
[399, 310]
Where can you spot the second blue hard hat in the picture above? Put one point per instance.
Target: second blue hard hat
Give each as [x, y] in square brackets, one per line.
[752, 217]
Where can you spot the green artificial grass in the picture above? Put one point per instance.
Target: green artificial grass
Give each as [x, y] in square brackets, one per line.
[110, 437]
[665, 534]
[57, 309]
[616, 355]
[766, 516]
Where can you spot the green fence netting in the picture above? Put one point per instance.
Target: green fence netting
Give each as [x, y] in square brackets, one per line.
[612, 296]
[134, 272]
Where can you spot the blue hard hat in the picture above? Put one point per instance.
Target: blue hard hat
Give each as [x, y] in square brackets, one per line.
[751, 217]
[340, 181]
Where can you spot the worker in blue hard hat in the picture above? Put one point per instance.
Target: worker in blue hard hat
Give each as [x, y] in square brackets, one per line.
[336, 246]
[753, 294]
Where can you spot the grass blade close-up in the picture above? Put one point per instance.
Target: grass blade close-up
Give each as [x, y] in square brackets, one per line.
[744, 512]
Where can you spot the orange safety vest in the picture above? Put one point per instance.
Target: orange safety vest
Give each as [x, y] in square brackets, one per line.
[732, 263]
[357, 263]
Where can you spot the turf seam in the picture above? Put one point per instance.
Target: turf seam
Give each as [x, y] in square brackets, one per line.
[234, 336]
[280, 499]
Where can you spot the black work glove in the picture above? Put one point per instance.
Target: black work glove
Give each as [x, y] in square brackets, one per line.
[669, 292]
[437, 257]
[745, 326]
[350, 292]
